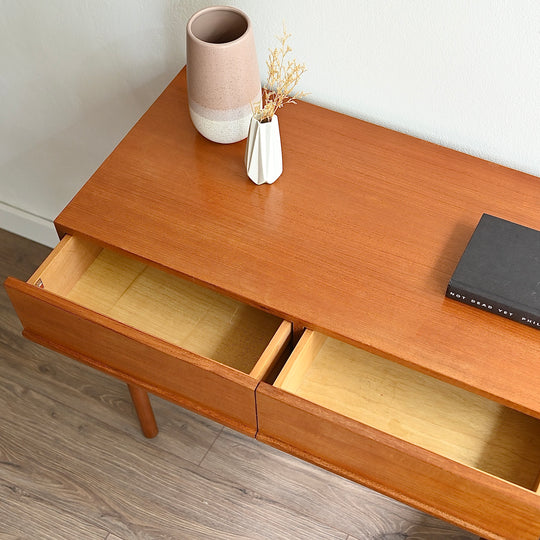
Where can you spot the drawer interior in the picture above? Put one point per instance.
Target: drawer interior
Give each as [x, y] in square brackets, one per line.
[158, 303]
[415, 407]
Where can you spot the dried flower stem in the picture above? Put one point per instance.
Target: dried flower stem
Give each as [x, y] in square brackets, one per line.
[283, 76]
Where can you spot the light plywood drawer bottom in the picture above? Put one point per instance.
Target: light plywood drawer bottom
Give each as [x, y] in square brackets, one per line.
[173, 337]
[443, 449]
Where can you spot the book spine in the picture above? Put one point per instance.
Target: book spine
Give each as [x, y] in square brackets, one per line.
[464, 296]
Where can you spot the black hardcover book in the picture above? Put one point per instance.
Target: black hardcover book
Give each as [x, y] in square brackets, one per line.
[499, 271]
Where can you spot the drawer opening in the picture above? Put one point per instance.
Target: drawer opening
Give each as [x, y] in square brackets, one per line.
[160, 304]
[415, 407]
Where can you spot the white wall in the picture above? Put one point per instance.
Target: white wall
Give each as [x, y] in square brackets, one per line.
[76, 75]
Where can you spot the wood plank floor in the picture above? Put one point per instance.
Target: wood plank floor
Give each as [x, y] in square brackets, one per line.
[74, 465]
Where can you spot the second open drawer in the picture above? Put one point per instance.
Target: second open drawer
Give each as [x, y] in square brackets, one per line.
[172, 337]
[423, 441]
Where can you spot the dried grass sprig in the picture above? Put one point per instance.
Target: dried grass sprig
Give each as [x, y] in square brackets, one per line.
[283, 76]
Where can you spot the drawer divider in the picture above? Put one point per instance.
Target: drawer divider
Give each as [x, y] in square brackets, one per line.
[300, 360]
[273, 351]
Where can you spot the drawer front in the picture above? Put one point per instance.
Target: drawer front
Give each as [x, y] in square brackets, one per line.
[195, 382]
[469, 498]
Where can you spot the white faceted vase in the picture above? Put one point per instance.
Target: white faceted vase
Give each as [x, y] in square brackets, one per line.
[263, 159]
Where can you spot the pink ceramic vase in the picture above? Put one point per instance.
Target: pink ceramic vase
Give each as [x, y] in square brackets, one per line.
[222, 73]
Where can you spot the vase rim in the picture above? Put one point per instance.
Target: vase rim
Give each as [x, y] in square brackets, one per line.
[207, 10]
[267, 121]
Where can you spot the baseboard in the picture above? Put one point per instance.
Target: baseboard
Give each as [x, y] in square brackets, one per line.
[27, 225]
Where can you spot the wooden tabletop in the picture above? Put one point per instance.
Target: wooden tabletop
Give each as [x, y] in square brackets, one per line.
[358, 237]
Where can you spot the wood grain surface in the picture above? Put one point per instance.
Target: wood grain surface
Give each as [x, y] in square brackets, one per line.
[358, 237]
[175, 310]
[201, 384]
[73, 463]
[417, 408]
[404, 471]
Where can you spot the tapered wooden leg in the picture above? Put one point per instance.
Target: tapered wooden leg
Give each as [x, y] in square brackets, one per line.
[144, 410]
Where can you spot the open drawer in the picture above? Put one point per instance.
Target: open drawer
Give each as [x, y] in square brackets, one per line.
[447, 451]
[174, 338]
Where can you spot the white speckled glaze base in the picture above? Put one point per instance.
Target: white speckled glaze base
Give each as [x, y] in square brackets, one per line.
[222, 126]
[221, 131]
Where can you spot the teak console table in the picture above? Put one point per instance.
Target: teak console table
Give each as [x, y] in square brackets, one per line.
[179, 276]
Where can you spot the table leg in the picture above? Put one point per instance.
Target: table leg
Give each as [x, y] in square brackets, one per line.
[144, 410]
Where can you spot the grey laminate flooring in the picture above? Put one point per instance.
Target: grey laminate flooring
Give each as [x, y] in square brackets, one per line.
[74, 465]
